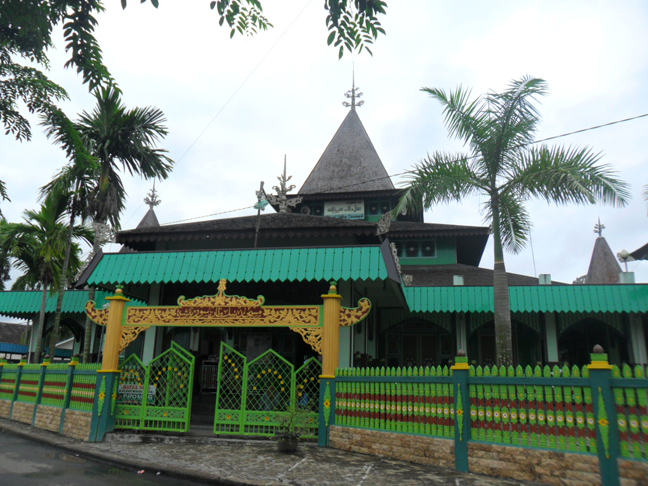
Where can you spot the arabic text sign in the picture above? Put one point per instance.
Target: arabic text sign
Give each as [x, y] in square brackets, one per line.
[345, 209]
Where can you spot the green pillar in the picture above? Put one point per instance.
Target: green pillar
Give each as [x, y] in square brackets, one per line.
[19, 371]
[460, 372]
[103, 410]
[68, 389]
[607, 430]
[327, 409]
[41, 384]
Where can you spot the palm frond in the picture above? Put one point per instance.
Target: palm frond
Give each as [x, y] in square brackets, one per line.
[567, 175]
[463, 118]
[514, 118]
[440, 178]
[514, 221]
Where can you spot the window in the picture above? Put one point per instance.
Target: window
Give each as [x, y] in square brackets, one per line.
[416, 249]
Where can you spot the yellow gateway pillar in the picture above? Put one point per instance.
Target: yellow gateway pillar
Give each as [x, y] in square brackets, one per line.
[103, 412]
[330, 360]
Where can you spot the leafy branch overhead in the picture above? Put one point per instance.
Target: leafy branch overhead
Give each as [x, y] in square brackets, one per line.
[353, 24]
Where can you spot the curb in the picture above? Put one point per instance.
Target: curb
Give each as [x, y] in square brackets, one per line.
[77, 447]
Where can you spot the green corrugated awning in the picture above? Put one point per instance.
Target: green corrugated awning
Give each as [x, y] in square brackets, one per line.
[28, 303]
[541, 298]
[269, 265]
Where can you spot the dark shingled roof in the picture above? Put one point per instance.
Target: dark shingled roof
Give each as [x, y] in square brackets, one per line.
[11, 333]
[149, 220]
[289, 225]
[441, 276]
[603, 268]
[640, 253]
[350, 163]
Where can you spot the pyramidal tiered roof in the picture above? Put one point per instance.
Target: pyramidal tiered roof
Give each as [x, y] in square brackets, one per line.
[603, 268]
[350, 163]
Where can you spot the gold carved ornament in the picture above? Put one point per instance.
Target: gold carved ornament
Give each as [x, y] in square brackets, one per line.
[129, 334]
[349, 317]
[223, 310]
[311, 336]
[100, 317]
[221, 299]
[223, 316]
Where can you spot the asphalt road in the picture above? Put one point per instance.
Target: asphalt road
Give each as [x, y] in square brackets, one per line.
[28, 463]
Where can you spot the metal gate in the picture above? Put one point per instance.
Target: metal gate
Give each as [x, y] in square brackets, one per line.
[252, 397]
[157, 396]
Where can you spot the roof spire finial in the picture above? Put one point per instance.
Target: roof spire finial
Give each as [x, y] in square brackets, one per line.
[598, 228]
[353, 94]
[152, 199]
[283, 189]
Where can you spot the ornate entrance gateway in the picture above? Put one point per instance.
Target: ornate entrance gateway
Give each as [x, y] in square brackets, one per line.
[251, 393]
[253, 396]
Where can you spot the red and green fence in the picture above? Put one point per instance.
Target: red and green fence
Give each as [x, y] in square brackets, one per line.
[599, 409]
[69, 386]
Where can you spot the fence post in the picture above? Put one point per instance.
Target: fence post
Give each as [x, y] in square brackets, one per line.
[460, 371]
[41, 384]
[330, 360]
[3, 362]
[607, 429]
[23, 362]
[103, 417]
[67, 397]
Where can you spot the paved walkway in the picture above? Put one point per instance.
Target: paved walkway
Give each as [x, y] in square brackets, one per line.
[253, 462]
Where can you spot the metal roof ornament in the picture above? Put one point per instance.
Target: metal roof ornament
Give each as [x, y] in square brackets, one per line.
[598, 228]
[152, 198]
[281, 198]
[353, 94]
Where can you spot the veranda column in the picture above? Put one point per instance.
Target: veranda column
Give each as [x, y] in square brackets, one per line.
[103, 417]
[551, 338]
[330, 361]
[637, 339]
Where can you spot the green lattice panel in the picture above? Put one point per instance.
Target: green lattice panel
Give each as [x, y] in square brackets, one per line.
[270, 385]
[270, 390]
[169, 385]
[8, 382]
[229, 395]
[632, 414]
[29, 382]
[129, 411]
[54, 385]
[83, 391]
[307, 382]
[307, 385]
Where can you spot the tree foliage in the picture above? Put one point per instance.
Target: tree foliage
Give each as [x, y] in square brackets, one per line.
[353, 24]
[503, 165]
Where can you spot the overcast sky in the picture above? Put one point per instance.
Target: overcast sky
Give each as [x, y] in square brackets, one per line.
[236, 106]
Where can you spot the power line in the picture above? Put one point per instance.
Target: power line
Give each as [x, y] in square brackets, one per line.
[222, 108]
[355, 184]
[244, 81]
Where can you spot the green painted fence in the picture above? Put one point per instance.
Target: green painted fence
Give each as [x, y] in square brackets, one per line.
[252, 397]
[597, 410]
[69, 386]
[410, 400]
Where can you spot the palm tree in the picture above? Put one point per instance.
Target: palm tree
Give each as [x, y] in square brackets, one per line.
[100, 144]
[502, 165]
[73, 183]
[38, 247]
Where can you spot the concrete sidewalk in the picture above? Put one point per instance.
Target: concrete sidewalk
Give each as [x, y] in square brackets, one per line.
[252, 462]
